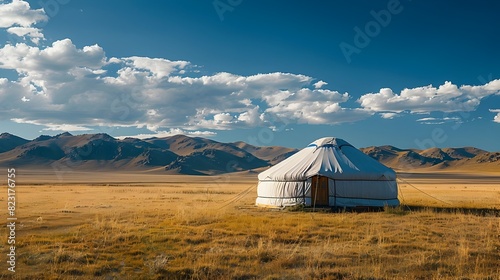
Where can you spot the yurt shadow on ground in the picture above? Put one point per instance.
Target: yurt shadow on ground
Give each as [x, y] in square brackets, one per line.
[329, 172]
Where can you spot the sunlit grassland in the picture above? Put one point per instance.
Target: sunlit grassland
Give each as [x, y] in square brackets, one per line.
[190, 231]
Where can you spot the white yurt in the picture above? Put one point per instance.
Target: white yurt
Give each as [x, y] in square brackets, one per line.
[329, 172]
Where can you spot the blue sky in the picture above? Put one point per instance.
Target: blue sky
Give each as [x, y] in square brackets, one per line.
[413, 74]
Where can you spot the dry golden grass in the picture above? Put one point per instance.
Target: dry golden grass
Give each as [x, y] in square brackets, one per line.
[202, 228]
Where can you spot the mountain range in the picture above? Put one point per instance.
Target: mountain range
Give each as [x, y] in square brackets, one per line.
[181, 154]
[177, 154]
[463, 159]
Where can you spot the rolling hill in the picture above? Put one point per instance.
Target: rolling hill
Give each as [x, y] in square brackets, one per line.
[181, 154]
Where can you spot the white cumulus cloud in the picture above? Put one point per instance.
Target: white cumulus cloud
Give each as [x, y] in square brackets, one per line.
[157, 66]
[20, 13]
[75, 86]
[445, 98]
[52, 67]
[388, 115]
[497, 117]
[68, 85]
[19, 19]
[35, 34]
[320, 84]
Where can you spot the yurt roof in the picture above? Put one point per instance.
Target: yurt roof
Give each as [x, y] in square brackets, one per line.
[331, 157]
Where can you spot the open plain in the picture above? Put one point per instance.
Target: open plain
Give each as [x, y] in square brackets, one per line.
[91, 225]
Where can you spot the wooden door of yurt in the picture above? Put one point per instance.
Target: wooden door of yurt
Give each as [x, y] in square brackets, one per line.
[319, 191]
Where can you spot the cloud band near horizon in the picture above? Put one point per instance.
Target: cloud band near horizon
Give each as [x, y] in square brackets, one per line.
[61, 85]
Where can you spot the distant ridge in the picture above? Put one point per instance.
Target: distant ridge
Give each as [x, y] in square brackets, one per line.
[180, 154]
[9, 142]
[177, 154]
[466, 158]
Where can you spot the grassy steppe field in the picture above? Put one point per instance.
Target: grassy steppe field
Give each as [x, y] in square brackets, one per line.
[147, 226]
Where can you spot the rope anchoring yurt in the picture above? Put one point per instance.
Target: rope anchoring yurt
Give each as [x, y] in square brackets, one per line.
[329, 172]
